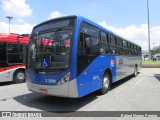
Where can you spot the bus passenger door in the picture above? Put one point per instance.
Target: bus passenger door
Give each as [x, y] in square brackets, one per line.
[84, 78]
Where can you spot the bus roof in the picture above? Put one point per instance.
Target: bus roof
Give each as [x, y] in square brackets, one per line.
[14, 38]
[81, 18]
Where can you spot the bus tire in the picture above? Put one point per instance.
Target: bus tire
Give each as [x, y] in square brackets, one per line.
[135, 71]
[106, 83]
[19, 76]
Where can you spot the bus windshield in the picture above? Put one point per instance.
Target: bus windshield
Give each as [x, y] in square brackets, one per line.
[50, 50]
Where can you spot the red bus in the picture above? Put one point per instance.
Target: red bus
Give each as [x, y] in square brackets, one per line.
[13, 49]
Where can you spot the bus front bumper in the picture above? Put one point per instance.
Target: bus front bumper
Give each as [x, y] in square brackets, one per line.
[65, 90]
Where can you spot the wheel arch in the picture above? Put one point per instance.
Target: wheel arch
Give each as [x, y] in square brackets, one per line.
[108, 70]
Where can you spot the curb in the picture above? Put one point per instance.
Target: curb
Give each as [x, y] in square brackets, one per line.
[151, 65]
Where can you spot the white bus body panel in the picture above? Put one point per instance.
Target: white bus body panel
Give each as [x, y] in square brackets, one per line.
[7, 75]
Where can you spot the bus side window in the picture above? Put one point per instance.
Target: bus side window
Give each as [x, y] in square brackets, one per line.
[108, 38]
[130, 52]
[94, 46]
[114, 50]
[107, 49]
[14, 54]
[121, 51]
[103, 42]
[126, 52]
[112, 40]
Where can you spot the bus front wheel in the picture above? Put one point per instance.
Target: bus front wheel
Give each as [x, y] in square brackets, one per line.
[19, 76]
[106, 83]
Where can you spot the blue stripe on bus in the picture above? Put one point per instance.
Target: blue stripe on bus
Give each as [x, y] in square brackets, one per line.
[46, 79]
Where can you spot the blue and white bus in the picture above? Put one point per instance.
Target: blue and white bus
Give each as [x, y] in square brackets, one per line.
[73, 56]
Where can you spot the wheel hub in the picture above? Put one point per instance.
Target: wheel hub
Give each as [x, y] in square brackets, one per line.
[135, 72]
[105, 82]
[20, 76]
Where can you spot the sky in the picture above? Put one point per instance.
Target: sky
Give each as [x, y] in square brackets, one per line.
[127, 18]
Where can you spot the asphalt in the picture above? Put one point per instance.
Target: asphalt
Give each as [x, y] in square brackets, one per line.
[141, 93]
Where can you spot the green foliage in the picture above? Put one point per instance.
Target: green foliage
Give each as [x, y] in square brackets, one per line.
[155, 50]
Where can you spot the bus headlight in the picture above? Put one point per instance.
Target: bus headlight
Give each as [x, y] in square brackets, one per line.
[65, 79]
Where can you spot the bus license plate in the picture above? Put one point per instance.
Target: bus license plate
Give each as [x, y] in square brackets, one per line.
[43, 91]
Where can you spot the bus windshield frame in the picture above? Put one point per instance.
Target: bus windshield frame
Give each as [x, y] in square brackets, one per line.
[50, 34]
[53, 47]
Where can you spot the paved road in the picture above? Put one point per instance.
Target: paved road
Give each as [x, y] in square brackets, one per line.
[132, 94]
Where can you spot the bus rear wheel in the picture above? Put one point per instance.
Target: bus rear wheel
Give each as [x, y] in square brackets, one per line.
[19, 76]
[106, 83]
[135, 72]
